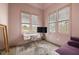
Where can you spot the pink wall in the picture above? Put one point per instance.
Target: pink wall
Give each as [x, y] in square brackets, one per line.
[75, 20]
[15, 20]
[58, 38]
[4, 13]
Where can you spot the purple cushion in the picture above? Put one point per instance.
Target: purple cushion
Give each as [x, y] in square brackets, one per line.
[68, 50]
[75, 39]
[74, 44]
[71, 48]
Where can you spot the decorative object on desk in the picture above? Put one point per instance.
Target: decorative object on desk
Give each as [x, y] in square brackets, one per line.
[42, 30]
[4, 38]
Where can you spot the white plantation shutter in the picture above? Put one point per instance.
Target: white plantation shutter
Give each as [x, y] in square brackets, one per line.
[59, 20]
[29, 23]
[64, 14]
[34, 20]
[34, 23]
[52, 22]
[25, 18]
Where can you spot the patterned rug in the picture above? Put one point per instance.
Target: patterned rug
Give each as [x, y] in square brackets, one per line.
[40, 47]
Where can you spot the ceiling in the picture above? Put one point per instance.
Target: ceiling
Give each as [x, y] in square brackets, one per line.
[40, 5]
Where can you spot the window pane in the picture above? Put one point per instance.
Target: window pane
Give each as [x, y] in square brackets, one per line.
[34, 20]
[34, 28]
[64, 14]
[34, 23]
[25, 28]
[52, 18]
[63, 26]
[25, 17]
[52, 27]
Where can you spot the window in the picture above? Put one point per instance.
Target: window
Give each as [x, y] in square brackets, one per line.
[60, 19]
[63, 20]
[29, 23]
[34, 23]
[52, 22]
[25, 22]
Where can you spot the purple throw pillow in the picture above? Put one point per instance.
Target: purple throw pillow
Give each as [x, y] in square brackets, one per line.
[74, 44]
[75, 39]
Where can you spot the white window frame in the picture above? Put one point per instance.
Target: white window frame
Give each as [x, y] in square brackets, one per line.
[57, 20]
[49, 23]
[30, 24]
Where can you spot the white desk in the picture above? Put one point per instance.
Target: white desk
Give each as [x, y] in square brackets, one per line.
[31, 36]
